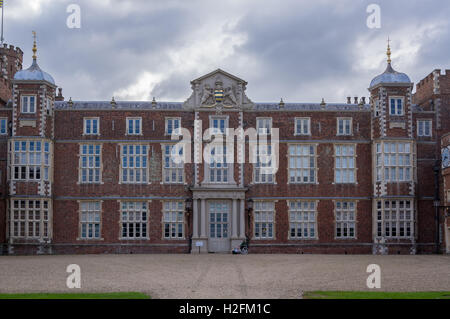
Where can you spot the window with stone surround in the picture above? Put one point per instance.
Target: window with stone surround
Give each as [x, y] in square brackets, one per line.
[30, 218]
[173, 219]
[394, 161]
[134, 164]
[302, 126]
[218, 124]
[302, 163]
[30, 160]
[344, 126]
[173, 125]
[396, 106]
[218, 166]
[263, 125]
[424, 128]
[134, 220]
[395, 218]
[134, 126]
[303, 219]
[173, 165]
[90, 163]
[345, 216]
[90, 220]
[263, 171]
[3, 126]
[91, 126]
[28, 104]
[344, 164]
[263, 220]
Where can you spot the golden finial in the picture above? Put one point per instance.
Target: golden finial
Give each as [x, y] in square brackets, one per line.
[388, 52]
[34, 45]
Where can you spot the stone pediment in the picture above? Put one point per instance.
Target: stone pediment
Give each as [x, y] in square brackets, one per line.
[219, 90]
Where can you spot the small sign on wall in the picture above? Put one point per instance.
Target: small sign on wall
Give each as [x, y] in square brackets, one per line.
[198, 244]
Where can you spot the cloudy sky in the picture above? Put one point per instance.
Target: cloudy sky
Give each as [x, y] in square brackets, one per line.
[299, 50]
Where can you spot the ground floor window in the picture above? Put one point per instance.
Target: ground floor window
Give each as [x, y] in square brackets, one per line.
[30, 218]
[90, 220]
[302, 219]
[345, 213]
[395, 218]
[264, 220]
[173, 219]
[134, 219]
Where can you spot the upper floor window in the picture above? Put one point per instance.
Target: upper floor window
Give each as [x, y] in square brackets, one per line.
[3, 126]
[263, 169]
[173, 125]
[423, 127]
[393, 161]
[219, 124]
[134, 164]
[344, 158]
[28, 104]
[302, 126]
[173, 167]
[344, 126]
[302, 163]
[134, 126]
[218, 166]
[31, 160]
[90, 163]
[263, 125]
[396, 106]
[91, 126]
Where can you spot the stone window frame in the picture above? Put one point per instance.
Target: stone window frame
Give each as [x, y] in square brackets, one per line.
[380, 158]
[254, 179]
[178, 210]
[301, 119]
[396, 98]
[133, 118]
[348, 210]
[3, 120]
[164, 169]
[146, 169]
[134, 210]
[344, 132]
[380, 220]
[354, 169]
[22, 103]
[315, 157]
[418, 122]
[166, 128]
[85, 125]
[268, 221]
[266, 120]
[316, 218]
[80, 162]
[80, 222]
[45, 159]
[26, 218]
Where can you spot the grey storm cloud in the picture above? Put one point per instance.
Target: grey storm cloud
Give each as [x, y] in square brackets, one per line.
[299, 50]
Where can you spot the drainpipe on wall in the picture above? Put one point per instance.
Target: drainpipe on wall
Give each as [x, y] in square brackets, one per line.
[436, 202]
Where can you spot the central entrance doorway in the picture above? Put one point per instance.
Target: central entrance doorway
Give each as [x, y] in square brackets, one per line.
[219, 221]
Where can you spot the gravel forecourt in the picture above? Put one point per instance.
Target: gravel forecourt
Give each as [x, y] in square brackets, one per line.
[222, 275]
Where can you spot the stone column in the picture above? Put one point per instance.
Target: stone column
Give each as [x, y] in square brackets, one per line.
[195, 218]
[242, 219]
[234, 220]
[203, 219]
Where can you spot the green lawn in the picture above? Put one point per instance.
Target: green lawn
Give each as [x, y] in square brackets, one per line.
[376, 295]
[107, 295]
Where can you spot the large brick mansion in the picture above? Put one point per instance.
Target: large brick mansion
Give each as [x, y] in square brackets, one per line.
[362, 176]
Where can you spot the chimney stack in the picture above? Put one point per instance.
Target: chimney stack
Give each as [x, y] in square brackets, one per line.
[363, 100]
[349, 100]
[356, 100]
[59, 97]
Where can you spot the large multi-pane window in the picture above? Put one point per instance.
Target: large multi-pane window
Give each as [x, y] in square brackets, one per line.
[344, 126]
[302, 126]
[263, 125]
[263, 168]
[134, 163]
[344, 159]
[396, 106]
[173, 125]
[218, 166]
[423, 127]
[91, 126]
[173, 165]
[395, 218]
[28, 104]
[345, 214]
[218, 124]
[264, 220]
[90, 220]
[3, 126]
[134, 219]
[302, 220]
[134, 126]
[30, 160]
[30, 218]
[90, 163]
[173, 219]
[302, 163]
[393, 161]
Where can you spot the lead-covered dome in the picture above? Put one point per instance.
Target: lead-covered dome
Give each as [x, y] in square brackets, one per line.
[390, 76]
[34, 73]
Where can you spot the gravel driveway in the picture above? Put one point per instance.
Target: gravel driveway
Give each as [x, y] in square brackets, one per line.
[222, 276]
